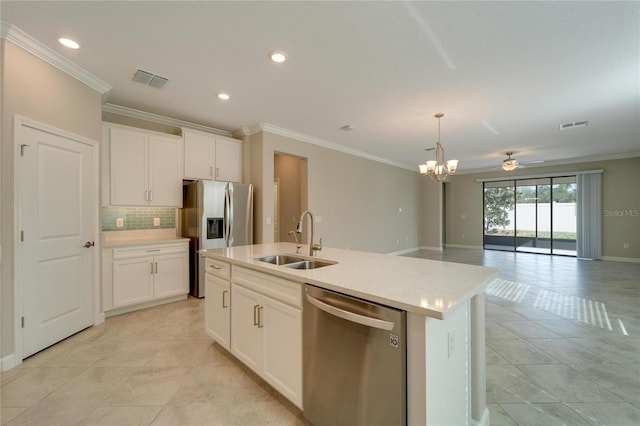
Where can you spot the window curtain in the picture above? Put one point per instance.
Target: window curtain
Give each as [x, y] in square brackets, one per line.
[589, 215]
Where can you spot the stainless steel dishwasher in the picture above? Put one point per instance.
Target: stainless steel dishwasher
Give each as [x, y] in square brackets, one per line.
[354, 361]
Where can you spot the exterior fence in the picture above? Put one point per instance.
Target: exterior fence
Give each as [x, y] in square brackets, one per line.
[564, 217]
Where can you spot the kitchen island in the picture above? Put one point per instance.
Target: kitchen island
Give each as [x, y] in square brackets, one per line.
[445, 317]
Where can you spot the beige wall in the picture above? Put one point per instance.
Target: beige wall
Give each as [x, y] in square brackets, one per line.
[34, 89]
[431, 213]
[288, 170]
[620, 204]
[363, 204]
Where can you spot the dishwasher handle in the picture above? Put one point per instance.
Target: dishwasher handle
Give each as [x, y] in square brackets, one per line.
[350, 316]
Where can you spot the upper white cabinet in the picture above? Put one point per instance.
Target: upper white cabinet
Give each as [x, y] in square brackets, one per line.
[208, 156]
[141, 168]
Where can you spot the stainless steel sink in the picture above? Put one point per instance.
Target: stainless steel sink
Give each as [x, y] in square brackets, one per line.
[309, 264]
[279, 259]
[294, 262]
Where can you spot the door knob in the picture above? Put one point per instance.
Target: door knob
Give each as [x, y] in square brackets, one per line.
[89, 244]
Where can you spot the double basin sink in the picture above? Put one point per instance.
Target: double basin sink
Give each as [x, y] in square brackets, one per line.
[294, 262]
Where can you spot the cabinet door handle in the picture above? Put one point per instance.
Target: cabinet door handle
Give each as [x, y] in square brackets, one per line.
[211, 171]
[146, 195]
[156, 267]
[255, 314]
[216, 267]
[150, 195]
[217, 171]
[224, 303]
[260, 325]
[151, 264]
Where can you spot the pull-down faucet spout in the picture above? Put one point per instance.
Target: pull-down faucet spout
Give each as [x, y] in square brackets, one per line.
[312, 246]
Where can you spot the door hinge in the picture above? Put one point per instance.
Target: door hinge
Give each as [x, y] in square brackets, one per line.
[21, 236]
[22, 149]
[22, 321]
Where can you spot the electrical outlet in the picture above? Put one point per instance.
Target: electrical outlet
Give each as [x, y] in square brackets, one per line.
[451, 343]
[156, 221]
[625, 245]
[119, 222]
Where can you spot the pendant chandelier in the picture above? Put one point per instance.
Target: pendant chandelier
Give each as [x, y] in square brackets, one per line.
[437, 168]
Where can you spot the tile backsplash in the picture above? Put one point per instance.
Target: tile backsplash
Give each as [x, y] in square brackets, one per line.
[138, 218]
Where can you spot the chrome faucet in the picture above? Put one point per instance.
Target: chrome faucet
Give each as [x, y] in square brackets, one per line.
[312, 246]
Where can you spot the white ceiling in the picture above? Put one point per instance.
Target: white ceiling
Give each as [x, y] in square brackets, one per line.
[505, 74]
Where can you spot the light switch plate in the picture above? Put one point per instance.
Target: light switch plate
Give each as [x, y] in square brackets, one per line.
[119, 222]
[156, 221]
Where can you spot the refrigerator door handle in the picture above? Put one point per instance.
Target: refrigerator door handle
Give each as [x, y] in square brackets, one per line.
[230, 207]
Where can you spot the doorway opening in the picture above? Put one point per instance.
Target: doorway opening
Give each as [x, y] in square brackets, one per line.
[531, 215]
[289, 194]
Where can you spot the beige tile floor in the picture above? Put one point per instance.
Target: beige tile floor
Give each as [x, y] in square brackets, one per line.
[563, 348]
[563, 338]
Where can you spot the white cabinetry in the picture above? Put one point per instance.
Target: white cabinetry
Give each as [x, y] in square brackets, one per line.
[207, 156]
[144, 274]
[266, 329]
[217, 314]
[141, 168]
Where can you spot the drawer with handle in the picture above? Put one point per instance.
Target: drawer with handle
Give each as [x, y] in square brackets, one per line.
[218, 268]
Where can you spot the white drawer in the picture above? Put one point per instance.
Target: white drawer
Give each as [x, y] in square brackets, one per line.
[150, 250]
[218, 268]
[286, 291]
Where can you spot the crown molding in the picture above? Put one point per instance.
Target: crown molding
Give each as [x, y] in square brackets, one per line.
[161, 119]
[53, 58]
[270, 128]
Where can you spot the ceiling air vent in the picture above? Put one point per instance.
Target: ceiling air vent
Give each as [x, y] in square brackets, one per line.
[565, 126]
[150, 79]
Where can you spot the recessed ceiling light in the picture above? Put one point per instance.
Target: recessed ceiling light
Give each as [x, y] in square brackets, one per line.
[278, 57]
[67, 42]
[223, 96]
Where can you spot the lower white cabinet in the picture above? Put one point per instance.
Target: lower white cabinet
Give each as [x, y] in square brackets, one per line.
[266, 333]
[217, 314]
[258, 318]
[143, 274]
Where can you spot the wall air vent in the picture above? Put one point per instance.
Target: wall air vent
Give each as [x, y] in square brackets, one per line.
[565, 126]
[150, 79]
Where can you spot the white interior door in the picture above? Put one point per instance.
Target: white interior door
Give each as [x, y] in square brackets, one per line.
[57, 217]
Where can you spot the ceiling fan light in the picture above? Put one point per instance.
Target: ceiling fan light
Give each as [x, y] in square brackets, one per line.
[423, 169]
[431, 166]
[510, 165]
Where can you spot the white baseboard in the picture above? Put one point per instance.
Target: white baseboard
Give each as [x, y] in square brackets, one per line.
[8, 362]
[621, 259]
[405, 251]
[484, 421]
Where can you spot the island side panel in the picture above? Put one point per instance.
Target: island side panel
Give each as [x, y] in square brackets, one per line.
[438, 369]
[479, 410]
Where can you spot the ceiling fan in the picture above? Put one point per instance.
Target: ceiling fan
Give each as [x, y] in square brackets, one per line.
[509, 164]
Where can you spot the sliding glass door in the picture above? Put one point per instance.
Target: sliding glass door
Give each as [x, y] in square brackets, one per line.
[499, 224]
[531, 215]
[564, 191]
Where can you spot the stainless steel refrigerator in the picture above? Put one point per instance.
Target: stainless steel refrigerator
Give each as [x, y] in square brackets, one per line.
[214, 215]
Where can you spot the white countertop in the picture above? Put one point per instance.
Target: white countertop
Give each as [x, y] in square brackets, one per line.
[426, 287]
[138, 238]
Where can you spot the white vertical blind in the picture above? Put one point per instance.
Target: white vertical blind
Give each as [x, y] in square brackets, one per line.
[589, 216]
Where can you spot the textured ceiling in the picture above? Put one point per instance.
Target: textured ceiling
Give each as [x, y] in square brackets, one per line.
[505, 74]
